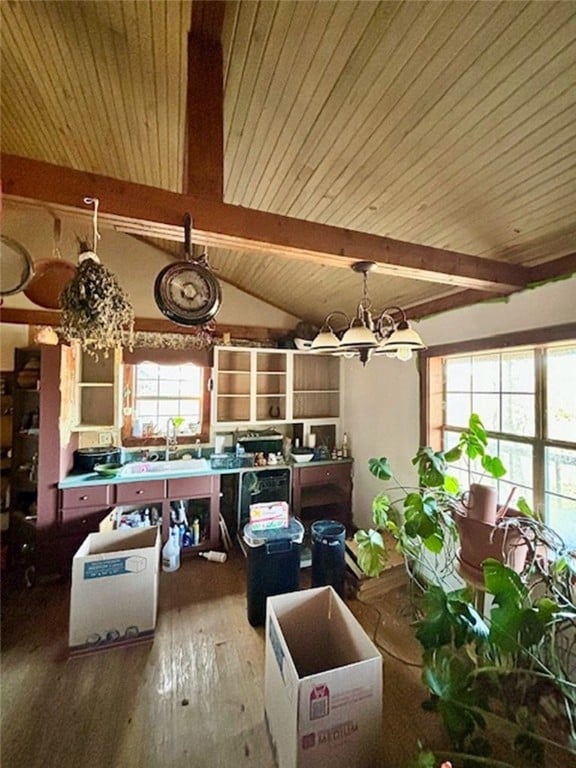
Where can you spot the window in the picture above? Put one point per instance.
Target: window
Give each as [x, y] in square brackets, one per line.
[526, 398]
[155, 393]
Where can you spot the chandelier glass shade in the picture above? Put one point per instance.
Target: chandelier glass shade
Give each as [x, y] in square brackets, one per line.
[369, 333]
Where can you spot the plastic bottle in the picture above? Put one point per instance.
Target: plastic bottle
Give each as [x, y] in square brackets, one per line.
[171, 551]
[215, 557]
[196, 531]
[345, 446]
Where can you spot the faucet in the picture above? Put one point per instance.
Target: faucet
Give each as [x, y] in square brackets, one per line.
[171, 437]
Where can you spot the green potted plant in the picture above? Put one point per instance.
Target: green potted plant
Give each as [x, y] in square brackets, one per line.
[503, 683]
[434, 516]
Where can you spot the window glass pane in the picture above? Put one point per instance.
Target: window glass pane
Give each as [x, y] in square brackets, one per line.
[169, 388]
[561, 471]
[189, 388]
[518, 371]
[146, 387]
[486, 373]
[147, 370]
[511, 492]
[488, 408]
[560, 495]
[519, 414]
[561, 516]
[458, 372]
[561, 393]
[517, 458]
[457, 409]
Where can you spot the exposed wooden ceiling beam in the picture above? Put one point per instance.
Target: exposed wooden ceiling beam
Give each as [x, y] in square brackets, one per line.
[550, 270]
[17, 316]
[204, 150]
[153, 212]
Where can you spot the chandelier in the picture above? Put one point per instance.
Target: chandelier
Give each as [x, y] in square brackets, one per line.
[368, 333]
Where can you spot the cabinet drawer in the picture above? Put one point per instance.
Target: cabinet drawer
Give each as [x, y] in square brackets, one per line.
[190, 487]
[332, 473]
[93, 496]
[147, 490]
[80, 521]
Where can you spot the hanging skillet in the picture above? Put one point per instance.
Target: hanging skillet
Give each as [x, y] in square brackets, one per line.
[51, 276]
[16, 266]
[187, 292]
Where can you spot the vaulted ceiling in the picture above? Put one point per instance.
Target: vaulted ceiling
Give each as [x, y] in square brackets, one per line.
[435, 138]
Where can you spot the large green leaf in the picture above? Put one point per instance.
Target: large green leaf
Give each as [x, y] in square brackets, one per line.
[503, 582]
[431, 467]
[372, 553]
[381, 507]
[380, 468]
[449, 618]
[493, 465]
[447, 676]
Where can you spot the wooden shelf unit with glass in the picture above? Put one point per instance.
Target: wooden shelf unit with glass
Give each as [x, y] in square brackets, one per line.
[274, 385]
[97, 391]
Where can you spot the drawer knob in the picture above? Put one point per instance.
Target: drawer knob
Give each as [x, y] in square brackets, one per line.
[83, 498]
[139, 492]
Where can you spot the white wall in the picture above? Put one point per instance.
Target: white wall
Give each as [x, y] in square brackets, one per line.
[381, 401]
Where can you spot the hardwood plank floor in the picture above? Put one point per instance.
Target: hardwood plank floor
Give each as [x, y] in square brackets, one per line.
[192, 698]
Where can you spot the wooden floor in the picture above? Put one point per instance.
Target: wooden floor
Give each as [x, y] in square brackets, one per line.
[191, 699]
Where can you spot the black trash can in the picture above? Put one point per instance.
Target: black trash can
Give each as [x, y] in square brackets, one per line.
[273, 565]
[328, 554]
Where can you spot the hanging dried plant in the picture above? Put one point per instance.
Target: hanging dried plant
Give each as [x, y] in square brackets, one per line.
[95, 309]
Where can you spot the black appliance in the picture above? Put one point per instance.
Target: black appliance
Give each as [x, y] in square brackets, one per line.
[260, 441]
[85, 459]
[261, 485]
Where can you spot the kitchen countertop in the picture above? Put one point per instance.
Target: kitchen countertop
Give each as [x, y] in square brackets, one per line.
[92, 478]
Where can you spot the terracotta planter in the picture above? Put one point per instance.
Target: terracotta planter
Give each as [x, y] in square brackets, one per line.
[479, 540]
[481, 503]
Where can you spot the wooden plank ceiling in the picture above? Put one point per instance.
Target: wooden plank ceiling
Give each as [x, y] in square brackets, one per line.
[450, 125]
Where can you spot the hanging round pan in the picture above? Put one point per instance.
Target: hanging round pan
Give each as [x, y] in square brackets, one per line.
[187, 292]
[51, 276]
[16, 266]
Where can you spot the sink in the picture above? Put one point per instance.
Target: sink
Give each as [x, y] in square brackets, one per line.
[178, 466]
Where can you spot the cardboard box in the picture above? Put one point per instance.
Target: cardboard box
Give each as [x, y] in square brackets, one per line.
[323, 683]
[114, 593]
[271, 514]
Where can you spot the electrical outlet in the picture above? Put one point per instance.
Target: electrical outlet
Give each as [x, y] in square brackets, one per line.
[104, 438]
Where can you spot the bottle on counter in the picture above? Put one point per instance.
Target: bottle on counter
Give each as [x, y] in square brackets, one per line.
[345, 447]
[215, 557]
[171, 551]
[196, 532]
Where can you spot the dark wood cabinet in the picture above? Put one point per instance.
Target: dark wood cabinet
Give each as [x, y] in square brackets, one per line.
[323, 491]
[82, 509]
[25, 433]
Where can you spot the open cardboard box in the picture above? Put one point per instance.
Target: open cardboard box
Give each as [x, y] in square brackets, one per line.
[114, 593]
[323, 683]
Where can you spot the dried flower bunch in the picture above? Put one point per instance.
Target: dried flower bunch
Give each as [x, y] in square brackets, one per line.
[95, 309]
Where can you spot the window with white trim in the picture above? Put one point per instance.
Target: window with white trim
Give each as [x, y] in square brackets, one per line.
[526, 398]
[159, 392]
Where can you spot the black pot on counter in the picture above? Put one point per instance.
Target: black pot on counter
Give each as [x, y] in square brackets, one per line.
[85, 459]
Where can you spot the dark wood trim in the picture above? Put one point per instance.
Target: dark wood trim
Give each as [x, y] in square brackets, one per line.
[551, 270]
[430, 361]
[150, 325]
[525, 338]
[204, 155]
[456, 300]
[140, 209]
